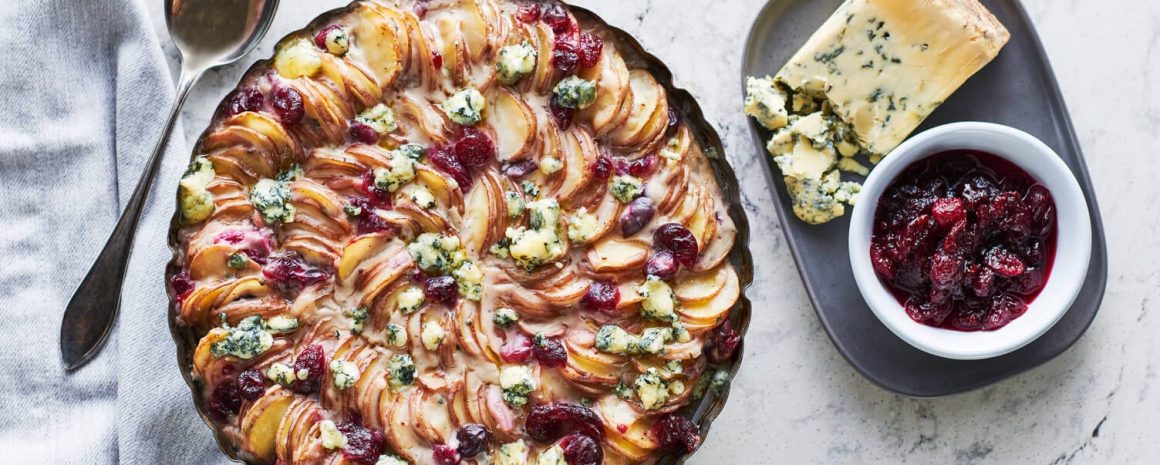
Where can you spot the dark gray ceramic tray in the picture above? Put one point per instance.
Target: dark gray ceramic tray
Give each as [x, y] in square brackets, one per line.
[1017, 89]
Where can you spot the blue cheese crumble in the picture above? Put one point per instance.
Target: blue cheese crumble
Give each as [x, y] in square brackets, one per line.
[465, 107]
[512, 453]
[331, 437]
[515, 204]
[281, 373]
[423, 197]
[469, 279]
[552, 456]
[625, 188]
[401, 369]
[765, 102]
[343, 373]
[550, 165]
[391, 459]
[432, 335]
[574, 92]
[272, 199]
[379, 117]
[410, 299]
[515, 62]
[651, 389]
[517, 383]
[436, 254]
[249, 339]
[582, 226]
[358, 316]
[195, 200]
[505, 317]
[396, 335]
[659, 302]
[400, 170]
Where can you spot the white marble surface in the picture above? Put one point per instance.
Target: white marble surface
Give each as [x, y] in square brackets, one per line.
[796, 400]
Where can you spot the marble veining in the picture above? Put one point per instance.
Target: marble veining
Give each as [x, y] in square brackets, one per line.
[796, 400]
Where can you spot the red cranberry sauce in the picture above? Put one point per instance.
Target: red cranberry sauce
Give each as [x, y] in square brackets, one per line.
[964, 240]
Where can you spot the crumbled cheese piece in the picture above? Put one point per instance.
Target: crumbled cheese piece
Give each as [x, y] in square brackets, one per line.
[423, 197]
[512, 453]
[432, 335]
[331, 437]
[651, 389]
[359, 315]
[765, 102]
[195, 200]
[412, 151]
[533, 247]
[402, 370]
[659, 300]
[379, 117]
[343, 373]
[515, 62]
[281, 373]
[574, 92]
[625, 188]
[613, 339]
[505, 317]
[552, 456]
[672, 150]
[550, 165]
[676, 387]
[530, 188]
[652, 340]
[515, 204]
[582, 226]
[282, 324]
[247, 340]
[337, 41]
[298, 59]
[396, 335]
[400, 170]
[545, 214]
[465, 107]
[390, 459]
[436, 253]
[272, 199]
[410, 299]
[517, 382]
[469, 278]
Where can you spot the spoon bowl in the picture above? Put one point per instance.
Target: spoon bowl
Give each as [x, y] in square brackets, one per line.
[208, 34]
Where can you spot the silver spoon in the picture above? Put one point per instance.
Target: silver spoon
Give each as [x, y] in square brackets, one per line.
[208, 33]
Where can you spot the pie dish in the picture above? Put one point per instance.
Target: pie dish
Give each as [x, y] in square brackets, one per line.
[458, 232]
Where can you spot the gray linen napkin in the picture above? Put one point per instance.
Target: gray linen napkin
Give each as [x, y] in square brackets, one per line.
[83, 92]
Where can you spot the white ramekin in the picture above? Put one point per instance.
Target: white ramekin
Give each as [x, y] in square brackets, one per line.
[1072, 252]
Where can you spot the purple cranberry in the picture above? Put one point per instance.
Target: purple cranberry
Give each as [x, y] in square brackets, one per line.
[474, 148]
[581, 449]
[246, 99]
[519, 168]
[1002, 310]
[252, 384]
[517, 349]
[557, 17]
[679, 240]
[676, 434]
[948, 210]
[444, 159]
[287, 103]
[441, 289]
[225, 400]
[529, 12]
[182, 286]
[548, 422]
[313, 360]
[320, 37]
[445, 455]
[636, 215]
[561, 114]
[602, 296]
[1004, 262]
[640, 167]
[602, 167]
[290, 271]
[363, 445]
[662, 264]
[565, 55]
[590, 47]
[378, 197]
[368, 221]
[363, 133]
[926, 311]
[722, 343]
[550, 352]
[473, 440]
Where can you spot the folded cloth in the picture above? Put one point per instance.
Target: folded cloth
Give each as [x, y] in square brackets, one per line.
[85, 88]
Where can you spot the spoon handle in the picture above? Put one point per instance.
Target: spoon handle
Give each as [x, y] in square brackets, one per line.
[90, 314]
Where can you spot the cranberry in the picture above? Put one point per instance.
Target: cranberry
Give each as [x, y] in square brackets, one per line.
[602, 296]
[441, 289]
[436, 60]
[928, 312]
[636, 215]
[445, 455]
[557, 17]
[1002, 310]
[517, 349]
[474, 148]
[182, 286]
[529, 12]
[581, 449]
[676, 434]
[378, 197]
[550, 352]
[880, 259]
[562, 115]
[247, 99]
[444, 159]
[320, 37]
[363, 445]
[565, 55]
[590, 47]
[679, 240]
[662, 264]
[948, 210]
[641, 167]
[968, 318]
[368, 221]
[722, 343]
[473, 439]
[225, 400]
[287, 103]
[946, 270]
[313, 360]
[548, 422]
[519, 168]
[1038, 199]
[363, 133]
[252, 384]
[1003, 262]
[602, 167]
[232, 237]
[290, 271]
[982, 280]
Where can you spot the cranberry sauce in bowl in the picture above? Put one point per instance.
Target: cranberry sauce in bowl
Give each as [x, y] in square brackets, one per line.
[964, 240]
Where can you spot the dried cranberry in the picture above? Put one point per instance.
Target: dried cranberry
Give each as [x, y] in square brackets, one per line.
[363, 445]
[948, 210]
[927, 311]
[548, 422]
[320, 37]
[565, 55]
[637, 214]
[590, 47]
[723, 342]
[368, 221]
[182, 285]
[602, 167]
[946, 270]
[968, 319]
[313, 360]
[436, 60]
[252, 384]
[1002, 310]
[247, 99]
[562, 115]
[557, 17]
[602, 296]
[378, 197]
[550, 352]
[679, 240]
[287, 103]
[529, 12]
[1003, 262]
[444, 159]
[473, 439]
[363, 133]
[441, 289]
[676, 434]
[517, 349]
[290, 271]
[225, 400]
[474, 148]
[445, 455]
[662, 264]
[982, 280]
[640, 167]
[519, 168]
[581, 449]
